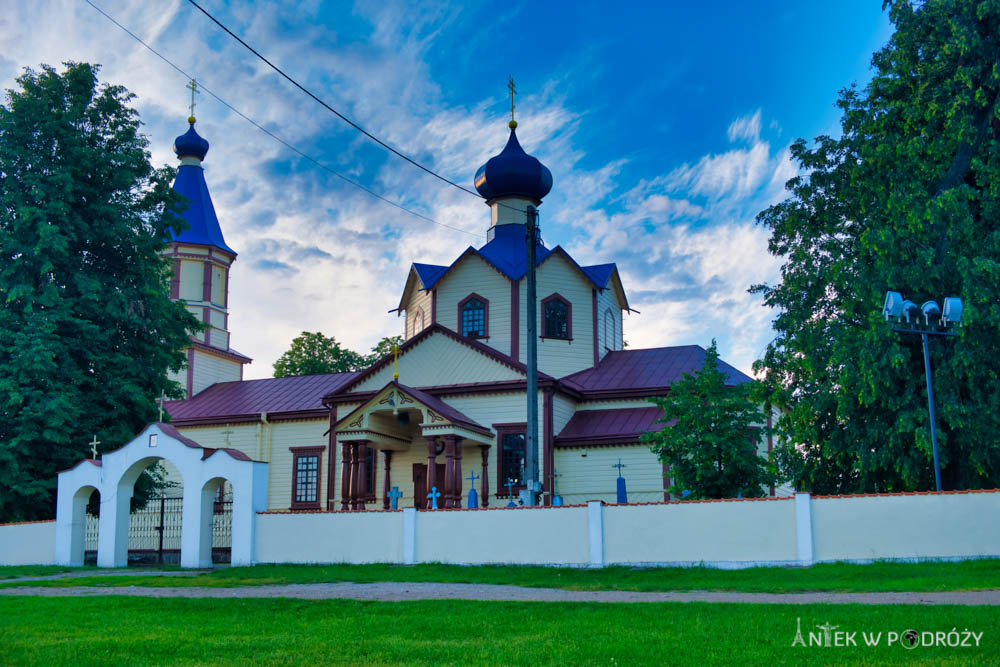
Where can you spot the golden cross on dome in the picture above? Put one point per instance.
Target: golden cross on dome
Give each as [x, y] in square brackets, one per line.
[193, 87]
[513, 92]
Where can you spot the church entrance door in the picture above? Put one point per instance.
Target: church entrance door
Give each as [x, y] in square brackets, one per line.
[420, 488]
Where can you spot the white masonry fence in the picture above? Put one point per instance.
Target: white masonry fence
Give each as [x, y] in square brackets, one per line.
[796, 530]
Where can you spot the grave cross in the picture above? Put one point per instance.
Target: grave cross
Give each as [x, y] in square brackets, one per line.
[162, 396]
[227, 433]
[394, 497]
[434, 495]
[510, 492]
[93, 446]
[473, 496]
[472, 478]
[622, 494]
[619, 465]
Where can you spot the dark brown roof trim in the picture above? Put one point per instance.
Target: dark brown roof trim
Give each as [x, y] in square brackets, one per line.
[254, 417]
[230, 354]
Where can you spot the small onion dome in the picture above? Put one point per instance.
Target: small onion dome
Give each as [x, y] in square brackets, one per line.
[191, 144]
[513, 173]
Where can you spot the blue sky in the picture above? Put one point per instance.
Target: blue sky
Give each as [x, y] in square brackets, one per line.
[666, 127]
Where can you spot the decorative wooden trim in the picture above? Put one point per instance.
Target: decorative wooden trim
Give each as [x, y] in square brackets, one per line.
[346, 450]
[555, 296]
[484, 477]
[298, 452]
[486, 315]
[515, 319]
[371, 497]
[511, 428]
[597, 357]
[431, 462]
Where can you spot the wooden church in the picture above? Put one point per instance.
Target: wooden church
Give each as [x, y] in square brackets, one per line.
[450, 413]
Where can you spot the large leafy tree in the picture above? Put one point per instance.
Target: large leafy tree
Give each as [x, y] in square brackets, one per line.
[312, 353]
[384, 347]
[710, 435]
[87, 329]
[907, 198]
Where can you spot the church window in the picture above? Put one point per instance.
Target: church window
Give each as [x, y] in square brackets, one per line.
[557, 318]
[609, 330]
[512, 452]
[473, 316]
[418, 321]
[306, 462]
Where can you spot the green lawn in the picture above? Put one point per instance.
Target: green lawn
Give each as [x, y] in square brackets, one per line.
[840, 577]
[127, 631]
[9, 572]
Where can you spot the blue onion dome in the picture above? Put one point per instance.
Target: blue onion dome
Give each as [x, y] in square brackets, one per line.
[513, 173]
[191, 144]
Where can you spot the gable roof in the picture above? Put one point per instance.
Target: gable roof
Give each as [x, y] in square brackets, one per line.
[640, 372]
[595, 427]
[440, 329]
[249, 398]
[450, 413]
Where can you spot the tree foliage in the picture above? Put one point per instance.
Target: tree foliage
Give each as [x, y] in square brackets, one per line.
[87, 329]
[312, 353]
[710, 436]
[906, 199]
[384, 347]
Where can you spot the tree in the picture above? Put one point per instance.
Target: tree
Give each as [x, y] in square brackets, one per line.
[906, 199]
[87, 329]
[384, 347]
[314, 354]
[710, 436]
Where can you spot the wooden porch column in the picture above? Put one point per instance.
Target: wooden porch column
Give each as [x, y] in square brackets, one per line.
[484, 492]
[456, 479]
[345, 475]
[431, 467]
[386, 479]
[362, 473]
[449, 471]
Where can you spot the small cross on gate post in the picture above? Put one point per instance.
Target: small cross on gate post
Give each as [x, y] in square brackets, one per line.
[510, 492]
[93, 446]
[394, 497]
[434, 495]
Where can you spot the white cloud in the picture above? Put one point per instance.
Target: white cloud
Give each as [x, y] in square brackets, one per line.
[745, 127]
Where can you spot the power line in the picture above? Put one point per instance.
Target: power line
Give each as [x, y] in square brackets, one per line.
[330, 108]
[274, 136]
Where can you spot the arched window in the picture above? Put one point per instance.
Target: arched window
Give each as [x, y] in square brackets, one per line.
[473, 316]
[557, 318]
[418, 321]
[610, 341]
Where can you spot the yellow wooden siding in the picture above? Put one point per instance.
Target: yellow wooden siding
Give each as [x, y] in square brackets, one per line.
[218, 285]
[587, 474]
[420, 304]
[474, 275]
[560, 357]
[608, 301]
[562, 411]
[192, 280]
[209, 369]
[439, 360]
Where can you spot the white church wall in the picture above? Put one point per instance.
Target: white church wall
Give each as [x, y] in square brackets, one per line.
[209, 369]
[325, 537]
[28, 543]
[439, 360]
[522, 535]
[586, 473]
[473, 274]
[906, 526]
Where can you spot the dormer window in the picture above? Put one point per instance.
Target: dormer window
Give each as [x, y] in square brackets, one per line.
[557, 320]
[473, 316]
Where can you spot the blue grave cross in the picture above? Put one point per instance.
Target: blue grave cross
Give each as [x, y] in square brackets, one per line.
[473, 496]
[622, 495]
[434, 495]
[394, 497]
[510, 492]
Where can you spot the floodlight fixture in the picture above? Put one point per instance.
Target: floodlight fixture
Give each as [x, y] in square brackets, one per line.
[931, 311]
[893, 308]
[910, 310]
[952, 311]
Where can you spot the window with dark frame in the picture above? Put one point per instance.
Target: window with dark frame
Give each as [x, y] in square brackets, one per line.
[472, 316]
[306, 464]
[512, 452]
[556, 318]
[370, 461]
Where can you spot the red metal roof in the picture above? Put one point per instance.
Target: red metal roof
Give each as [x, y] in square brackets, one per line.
[639, 371]
[608, 426]
[252, 397]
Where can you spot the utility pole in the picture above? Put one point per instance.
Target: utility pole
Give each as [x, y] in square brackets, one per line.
[531, 436]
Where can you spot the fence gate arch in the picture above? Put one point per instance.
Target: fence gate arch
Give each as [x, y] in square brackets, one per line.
[114, 477]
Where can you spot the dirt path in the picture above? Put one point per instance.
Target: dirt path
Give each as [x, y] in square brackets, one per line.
[394, 591]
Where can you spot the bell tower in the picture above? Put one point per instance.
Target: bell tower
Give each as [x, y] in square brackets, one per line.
[201, 265]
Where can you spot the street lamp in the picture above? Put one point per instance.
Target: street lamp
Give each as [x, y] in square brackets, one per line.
[907, 315]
